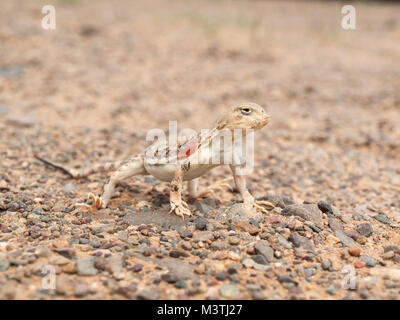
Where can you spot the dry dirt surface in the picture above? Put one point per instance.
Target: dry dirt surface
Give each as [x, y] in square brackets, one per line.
[88, 93]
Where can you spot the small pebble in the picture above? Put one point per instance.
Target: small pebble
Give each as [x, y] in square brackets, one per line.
[354, 251]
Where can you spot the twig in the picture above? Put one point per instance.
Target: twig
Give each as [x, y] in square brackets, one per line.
[51, 164]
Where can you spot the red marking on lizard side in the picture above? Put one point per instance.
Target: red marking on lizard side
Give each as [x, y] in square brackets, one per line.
[187, 149]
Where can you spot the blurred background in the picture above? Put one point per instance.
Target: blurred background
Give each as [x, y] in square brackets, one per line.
[90, 90]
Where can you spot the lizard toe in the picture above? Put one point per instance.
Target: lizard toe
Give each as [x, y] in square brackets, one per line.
[97, 203]
[259, 206]
[180, 209]
[265, 203]
[218, 186]
[185, 204]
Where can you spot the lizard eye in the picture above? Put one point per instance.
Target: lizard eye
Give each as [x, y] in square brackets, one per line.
[246, 111]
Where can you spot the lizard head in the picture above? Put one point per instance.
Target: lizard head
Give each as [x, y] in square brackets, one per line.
[245, 116]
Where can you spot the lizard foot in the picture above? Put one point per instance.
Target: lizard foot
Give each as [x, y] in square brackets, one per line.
[220, 185]
[259, 206]
[180, 209]
[97, 202]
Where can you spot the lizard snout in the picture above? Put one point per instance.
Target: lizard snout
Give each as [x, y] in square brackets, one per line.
[266, 119]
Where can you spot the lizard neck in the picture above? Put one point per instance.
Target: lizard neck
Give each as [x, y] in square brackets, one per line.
[220, 135]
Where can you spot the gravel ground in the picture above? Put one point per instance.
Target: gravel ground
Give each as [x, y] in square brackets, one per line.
[89, 92]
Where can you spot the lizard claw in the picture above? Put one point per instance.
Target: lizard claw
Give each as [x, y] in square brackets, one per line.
[180, 209]
[97, 202]
[220, 185]
[185, 204]
[258, 205]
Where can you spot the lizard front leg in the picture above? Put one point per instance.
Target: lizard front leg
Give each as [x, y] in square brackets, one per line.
[248, 199]
[178, 206]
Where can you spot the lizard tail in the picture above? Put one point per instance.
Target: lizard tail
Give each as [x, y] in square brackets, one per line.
[74, 173]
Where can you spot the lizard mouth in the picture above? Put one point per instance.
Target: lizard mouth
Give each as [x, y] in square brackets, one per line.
[264, 121]
[261, 123]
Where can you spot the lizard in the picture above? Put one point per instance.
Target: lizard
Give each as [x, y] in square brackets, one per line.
[189, 160]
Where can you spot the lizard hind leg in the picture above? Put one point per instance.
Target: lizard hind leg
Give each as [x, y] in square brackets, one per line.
[129, 168]
[219, 185]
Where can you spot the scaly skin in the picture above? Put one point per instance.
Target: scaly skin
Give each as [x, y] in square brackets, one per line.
[157, 162]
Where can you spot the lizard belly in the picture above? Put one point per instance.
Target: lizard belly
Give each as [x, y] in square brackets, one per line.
[163, 172]
[166, 172]
[198, 158]
[197, 170]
